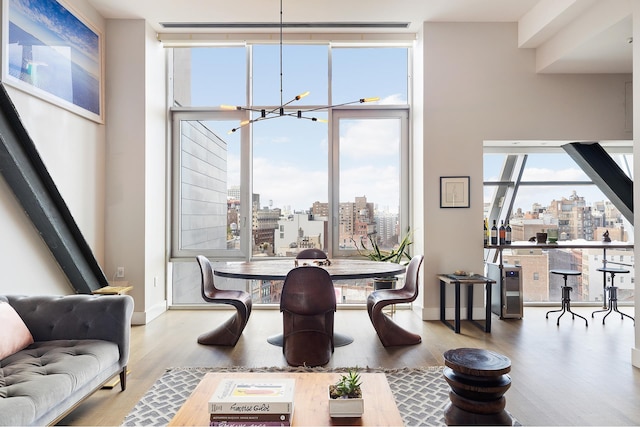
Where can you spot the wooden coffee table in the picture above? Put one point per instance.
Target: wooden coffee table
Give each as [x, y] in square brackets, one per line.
[311, 407]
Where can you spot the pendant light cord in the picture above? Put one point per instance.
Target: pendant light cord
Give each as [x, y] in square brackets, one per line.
[281, 98]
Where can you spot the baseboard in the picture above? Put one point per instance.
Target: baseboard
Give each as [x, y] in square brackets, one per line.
[144, 317]
[433, 313]
[635, 357]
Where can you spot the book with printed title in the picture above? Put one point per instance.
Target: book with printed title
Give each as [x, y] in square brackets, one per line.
[269, 417]
[253, 396]
[250, 424]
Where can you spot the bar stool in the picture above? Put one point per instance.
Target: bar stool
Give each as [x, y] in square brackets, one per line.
[613, 293]
[566, 296]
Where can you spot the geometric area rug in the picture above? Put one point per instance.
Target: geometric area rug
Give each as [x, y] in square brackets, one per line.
[420, 393]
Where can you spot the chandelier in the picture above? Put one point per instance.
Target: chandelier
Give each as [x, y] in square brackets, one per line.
[265, 114]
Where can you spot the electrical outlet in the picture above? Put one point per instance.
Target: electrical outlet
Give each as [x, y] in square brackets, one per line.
[120, 272]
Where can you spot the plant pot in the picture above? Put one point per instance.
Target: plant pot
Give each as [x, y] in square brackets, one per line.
[343, 408]
[541, 237]
[384, 283]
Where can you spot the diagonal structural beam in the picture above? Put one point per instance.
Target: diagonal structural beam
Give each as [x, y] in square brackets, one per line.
[605, 173]
[25, 173]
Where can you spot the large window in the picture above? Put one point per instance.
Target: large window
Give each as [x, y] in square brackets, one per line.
[542, 189]
[274, 187]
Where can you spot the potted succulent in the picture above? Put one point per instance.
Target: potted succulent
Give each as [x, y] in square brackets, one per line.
[345, 396]
[398, 255]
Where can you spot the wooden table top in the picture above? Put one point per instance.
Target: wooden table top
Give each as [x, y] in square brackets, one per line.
[477, 362]
[311, 406]
[340, 269]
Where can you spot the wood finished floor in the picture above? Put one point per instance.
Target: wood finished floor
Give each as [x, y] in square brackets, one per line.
[566, 375]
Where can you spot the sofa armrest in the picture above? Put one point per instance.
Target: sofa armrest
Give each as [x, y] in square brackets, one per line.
[81, 316]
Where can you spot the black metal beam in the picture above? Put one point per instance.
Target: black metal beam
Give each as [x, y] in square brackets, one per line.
[605, 173]
[27, 176]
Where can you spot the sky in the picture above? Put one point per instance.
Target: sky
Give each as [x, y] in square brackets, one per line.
[544, 167]
[290, 155]
[54, 25]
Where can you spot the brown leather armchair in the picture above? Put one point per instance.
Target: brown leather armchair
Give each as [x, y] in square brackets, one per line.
[388, 331]
[308, 304]
[228, 332]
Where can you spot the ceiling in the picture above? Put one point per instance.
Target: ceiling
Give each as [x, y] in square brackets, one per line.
[570, 36]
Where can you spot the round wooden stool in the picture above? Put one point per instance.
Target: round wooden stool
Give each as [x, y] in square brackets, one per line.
[478, 380]
[566, 296]
[613, 293]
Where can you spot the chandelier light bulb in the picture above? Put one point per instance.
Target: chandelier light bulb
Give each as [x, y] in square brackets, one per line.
[302, 95]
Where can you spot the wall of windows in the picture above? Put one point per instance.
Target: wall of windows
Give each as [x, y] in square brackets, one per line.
[540, 188]
[280, 185]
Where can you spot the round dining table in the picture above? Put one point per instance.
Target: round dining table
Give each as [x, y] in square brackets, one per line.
[338, 269]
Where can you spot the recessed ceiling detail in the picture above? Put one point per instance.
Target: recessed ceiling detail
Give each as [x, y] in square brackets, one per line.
[253, 25]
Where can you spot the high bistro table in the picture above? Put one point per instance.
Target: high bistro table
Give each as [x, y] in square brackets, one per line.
[339, 269]
[578, 244]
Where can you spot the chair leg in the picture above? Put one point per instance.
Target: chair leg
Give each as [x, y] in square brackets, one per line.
[389, 332]
[123, 379]
[226, 334]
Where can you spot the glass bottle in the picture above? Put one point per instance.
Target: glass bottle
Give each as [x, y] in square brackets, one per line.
[486, 232]
[502, 233]
[507, 234]
[494, 233]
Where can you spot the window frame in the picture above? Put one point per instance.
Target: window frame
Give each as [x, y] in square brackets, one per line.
[215, 113]
[199, 114]
[400, 113]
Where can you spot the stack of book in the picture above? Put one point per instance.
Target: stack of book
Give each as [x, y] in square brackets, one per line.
[247, 402]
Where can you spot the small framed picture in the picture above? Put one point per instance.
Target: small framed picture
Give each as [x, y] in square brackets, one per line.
[454, 191]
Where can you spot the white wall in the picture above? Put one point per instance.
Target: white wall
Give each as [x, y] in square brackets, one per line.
[479, 86]
[635, 353]
[136, 152]
[72, 148]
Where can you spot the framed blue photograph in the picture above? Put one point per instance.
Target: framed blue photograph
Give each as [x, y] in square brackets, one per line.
[50, 52]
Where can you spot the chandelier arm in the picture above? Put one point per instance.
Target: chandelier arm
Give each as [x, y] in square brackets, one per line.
[313, 119]
[248, 122]
[359, 101]
[279, 111]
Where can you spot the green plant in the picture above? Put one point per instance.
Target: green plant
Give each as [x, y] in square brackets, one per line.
[348, 386]
[396, 255]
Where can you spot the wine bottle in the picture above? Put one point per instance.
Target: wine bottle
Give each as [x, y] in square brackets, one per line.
[494, 233]
[486, 232]
[507, 234]
[502, 233]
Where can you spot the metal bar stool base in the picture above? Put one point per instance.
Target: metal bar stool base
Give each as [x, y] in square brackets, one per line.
[566, 297]
[566, 307]
[613, 294]
[613, 305]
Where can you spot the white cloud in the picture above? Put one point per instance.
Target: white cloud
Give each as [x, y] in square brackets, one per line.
[370, 138]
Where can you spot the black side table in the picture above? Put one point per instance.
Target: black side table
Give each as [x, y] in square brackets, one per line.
[469, 281]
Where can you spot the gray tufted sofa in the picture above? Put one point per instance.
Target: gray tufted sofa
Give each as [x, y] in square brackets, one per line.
[81, 342]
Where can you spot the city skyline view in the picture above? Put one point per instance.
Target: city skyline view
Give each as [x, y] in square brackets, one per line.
[546, 167]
